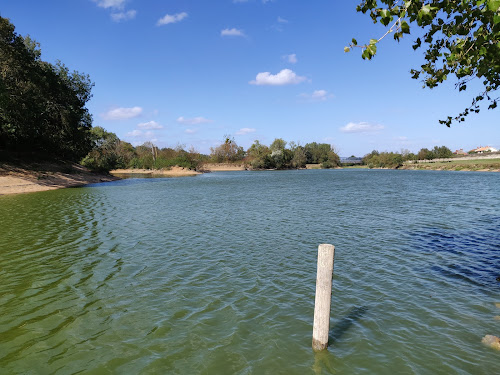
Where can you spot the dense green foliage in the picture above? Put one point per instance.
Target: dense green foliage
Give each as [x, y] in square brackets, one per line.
[377, 159]
[278, 156]
[461, 38]
[227, 152]
[42, 106]
[109, 152]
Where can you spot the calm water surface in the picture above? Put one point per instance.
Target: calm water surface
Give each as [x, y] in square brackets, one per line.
[215, 274]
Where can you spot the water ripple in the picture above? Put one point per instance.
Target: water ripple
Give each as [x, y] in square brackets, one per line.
[216, 274]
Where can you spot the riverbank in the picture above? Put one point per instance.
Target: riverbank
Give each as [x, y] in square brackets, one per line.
[223, 167]
[172, 172]
[469, 165]
[35, 177]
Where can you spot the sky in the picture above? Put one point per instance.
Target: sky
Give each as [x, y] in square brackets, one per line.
[191, 72]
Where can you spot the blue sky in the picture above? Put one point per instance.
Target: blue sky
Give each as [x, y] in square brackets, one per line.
[189, 72]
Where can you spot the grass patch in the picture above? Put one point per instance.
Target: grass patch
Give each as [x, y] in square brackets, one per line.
[459, 165]
[356, 167]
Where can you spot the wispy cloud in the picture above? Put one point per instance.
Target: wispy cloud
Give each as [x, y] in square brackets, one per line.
[317, 96]
[232, 32]
[114, 4]
[361, 127]
[135, 133]
[193, 121]
[244, 131]
[190, 131]
[117, 8]
[149, 125]
[123, 16]
[122, 113]
[282, 20]
[285, 77]
[138, 137]
[292, 58]
[171, 18]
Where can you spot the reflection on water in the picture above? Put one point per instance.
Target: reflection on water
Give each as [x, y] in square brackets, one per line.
[215, 274]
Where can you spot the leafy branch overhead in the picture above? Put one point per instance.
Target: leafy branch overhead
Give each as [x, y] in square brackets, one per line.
[461, 38]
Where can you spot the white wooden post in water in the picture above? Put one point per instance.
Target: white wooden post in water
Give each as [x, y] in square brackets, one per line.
[322, 304]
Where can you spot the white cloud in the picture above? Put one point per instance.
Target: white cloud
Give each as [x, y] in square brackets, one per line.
[232, 32]
[117, 8]
[149, 125]
[134, 133]
[171, 18]
[285, 77]
[317, 96]
[282, 20]
[244, 131]
[114, 4]
[292, 58]
[402, 139]
[193, 121]
[190, 131]
[141, 134]
[361, 127]
[122, 113]
[123, 16]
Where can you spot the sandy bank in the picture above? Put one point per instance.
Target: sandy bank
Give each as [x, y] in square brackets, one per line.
[46, 176]
[173, 172]
[223, 167]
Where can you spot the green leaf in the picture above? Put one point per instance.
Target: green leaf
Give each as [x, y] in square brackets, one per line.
[405, 28]
[373, 41]
[354, 41]
[496, 18]
[370, 51]
[493, 5]
[385, 17]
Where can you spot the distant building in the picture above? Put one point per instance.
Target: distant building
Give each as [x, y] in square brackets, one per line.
[460, 152]
[482, 150]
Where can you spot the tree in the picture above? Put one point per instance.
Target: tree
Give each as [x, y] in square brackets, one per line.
[442, 152]
[462, 38]
[259, 156]
[299, 159]
[105, 153]
[228, 151]
[278, 145]
[377, 159]
[321, 153]
[425, 154]
[42, 106]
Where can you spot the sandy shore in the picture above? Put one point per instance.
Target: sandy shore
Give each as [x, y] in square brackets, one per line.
[46, 176]
[173, 172]
[223, 167]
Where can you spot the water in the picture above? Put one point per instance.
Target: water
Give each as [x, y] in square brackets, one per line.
[215, 274]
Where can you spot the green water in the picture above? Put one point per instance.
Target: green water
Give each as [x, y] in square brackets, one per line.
[215, 274]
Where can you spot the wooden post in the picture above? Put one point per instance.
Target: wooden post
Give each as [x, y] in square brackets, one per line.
[322, 304]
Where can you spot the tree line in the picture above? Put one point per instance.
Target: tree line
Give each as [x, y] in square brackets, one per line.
[280, 154]
[376, 159]
[42, 105]
[109, 152]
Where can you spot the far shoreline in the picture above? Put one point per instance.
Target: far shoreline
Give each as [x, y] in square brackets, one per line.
[18, 180]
